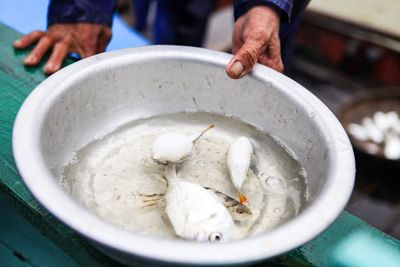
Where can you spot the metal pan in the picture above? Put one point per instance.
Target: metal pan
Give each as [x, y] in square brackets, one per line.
[92, 97]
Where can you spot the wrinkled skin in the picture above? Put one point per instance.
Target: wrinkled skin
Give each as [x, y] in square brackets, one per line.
[84, 39]
[255, 39]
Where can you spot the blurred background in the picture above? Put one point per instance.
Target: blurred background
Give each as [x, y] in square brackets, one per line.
[347, 52]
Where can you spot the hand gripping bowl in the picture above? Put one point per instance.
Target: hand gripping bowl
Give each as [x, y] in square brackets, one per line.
[92, 97]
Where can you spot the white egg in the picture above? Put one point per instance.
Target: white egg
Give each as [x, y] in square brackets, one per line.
[372, 148]
[381, 121]
[396, 128]
[358, 131]
[392, 146]
[392, 118]
[374, 133]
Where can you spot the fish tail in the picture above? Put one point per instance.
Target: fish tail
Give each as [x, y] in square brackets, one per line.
[203, 132]
[242, 198]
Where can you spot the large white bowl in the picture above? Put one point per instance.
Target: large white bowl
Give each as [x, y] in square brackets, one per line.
[92, 97]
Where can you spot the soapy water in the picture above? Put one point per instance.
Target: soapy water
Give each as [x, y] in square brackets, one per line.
[111, 175]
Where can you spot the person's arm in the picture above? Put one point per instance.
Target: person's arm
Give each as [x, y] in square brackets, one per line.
[80, 26]
[255, 35]
[283, 7]
[75, 11]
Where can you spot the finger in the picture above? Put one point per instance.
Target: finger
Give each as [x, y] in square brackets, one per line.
[37, 53]
[60, 51]
[28, 39]
[89, 47]
[104, 39]
[272, 56]
[88, 52]
[237, 38]
[244, 60]
[84, 39]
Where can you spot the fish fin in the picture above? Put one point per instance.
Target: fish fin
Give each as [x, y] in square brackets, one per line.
[234, 207]
[151, 195]
[157, 161]
[149, 200]
[151, 204]
[242, 199]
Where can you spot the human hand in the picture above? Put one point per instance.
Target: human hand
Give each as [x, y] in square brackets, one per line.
[255, 39]
[83, 38]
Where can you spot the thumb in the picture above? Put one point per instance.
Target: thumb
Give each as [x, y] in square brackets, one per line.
[244, 59]
[104, 39]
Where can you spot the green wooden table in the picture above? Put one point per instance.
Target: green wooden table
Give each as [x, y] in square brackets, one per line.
[347, 242]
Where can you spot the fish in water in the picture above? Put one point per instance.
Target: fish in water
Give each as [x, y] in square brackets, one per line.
[238, 162]
[172, 147]
[238, 211]
[194, 212]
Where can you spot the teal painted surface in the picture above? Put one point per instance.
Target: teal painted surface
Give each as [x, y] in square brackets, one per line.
[327, 248]
[363, 248]
[23, 245]
[16, 82]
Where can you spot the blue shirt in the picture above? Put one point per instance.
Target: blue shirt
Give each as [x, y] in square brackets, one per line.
[284, 7]
[101, 11]
[72, 11]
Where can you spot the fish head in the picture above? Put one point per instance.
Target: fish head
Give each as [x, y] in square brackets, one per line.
[171, 147]
[215, 230]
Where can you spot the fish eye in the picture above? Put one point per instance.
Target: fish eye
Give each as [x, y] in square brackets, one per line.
[240, 211]
[215, 237]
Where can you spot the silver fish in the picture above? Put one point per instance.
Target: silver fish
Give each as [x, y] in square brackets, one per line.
[238, 211]
[238, 162]
[194, 212]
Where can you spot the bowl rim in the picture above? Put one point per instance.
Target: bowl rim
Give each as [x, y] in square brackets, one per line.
[301, 229]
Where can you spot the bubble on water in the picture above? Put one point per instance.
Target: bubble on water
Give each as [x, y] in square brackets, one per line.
[302, 172]
[273, 181]
[74, 158]
[64, 183]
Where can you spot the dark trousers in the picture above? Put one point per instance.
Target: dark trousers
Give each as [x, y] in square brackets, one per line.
[178, 22]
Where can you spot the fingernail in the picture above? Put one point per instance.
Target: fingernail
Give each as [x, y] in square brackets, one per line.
[49, 66]
[237, 68]
[29, 59]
